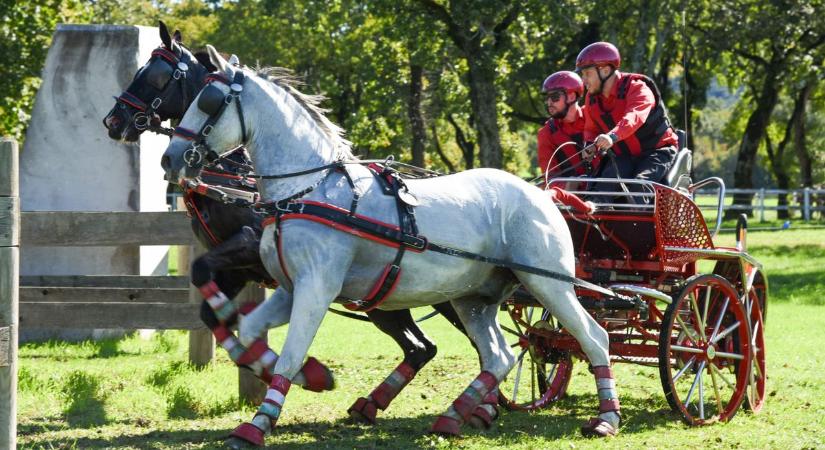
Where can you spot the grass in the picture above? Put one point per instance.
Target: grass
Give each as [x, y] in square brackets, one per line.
[141, 394]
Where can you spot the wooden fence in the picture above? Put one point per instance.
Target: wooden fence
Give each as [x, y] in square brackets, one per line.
[114, 302]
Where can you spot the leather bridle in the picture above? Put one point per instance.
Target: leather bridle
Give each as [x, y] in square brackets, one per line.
[146, 115]
[213, 102]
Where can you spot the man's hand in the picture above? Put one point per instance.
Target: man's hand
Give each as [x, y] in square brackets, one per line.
[588, 152]
[603, 141]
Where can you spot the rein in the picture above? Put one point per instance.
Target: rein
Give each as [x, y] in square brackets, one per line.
[350, 222]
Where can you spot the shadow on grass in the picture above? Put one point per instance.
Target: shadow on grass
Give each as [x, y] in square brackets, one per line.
[799, 288]
[561, 421]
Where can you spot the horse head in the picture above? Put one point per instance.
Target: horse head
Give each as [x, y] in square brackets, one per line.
[193, 144]
[162, 89]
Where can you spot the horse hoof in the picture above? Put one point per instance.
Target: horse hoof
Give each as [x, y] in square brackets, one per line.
[318, 376]
[244, 436]
[481, 418]
[363, 411]
[598, 428]
[446, 426]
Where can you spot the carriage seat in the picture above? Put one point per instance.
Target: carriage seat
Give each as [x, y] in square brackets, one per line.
[679, 174]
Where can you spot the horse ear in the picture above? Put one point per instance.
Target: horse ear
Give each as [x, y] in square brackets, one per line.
[233, 60]
[203, 58]
[178, 36]
[217, 59]
[164, 35]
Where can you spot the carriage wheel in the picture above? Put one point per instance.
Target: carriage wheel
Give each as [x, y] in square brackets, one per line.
[541, 374]
[755, 398]
[704, 351]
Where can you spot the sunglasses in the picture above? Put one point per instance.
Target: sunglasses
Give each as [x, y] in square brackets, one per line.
[555, 96]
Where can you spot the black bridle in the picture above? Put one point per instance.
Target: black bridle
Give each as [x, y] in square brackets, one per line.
[213, 102]
[145, 116]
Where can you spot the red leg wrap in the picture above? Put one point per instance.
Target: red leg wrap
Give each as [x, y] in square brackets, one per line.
[209, 289]
[611, 405]
[253, 352]
[392, 385]
[446, 426]
[481, 419]
[473, 396]
[363, 410]
[249, 433]
[247, 308]
[318, 376]
[603, 372]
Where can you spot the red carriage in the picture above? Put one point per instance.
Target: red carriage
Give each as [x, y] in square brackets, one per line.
[704, 331]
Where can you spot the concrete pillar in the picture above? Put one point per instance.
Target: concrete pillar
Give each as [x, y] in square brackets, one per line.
[69, 163]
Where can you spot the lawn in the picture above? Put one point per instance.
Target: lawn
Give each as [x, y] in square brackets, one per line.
[136, 393]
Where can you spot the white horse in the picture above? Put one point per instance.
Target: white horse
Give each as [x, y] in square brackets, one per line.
[484, 211]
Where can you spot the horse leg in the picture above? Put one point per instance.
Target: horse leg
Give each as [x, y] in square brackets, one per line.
[560, 299]
[219, 275]
[418, 351]
[304, 322]
[487, 412]
[480, 321]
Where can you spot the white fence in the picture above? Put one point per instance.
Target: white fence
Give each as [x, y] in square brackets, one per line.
[805, 202]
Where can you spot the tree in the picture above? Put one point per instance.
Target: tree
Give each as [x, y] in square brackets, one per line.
[762, 56]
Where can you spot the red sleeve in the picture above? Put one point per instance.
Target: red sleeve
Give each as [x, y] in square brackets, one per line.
[639, 103]
[545, 148]
[591, 129]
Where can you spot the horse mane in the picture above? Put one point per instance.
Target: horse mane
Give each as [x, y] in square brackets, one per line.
[288, 81]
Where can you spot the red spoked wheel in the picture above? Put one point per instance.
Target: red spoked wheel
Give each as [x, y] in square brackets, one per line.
[704, 351]
[755, 397]
[541, 374]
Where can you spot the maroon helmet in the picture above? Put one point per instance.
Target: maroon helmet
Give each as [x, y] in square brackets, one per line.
[599, 54]
[563, 81]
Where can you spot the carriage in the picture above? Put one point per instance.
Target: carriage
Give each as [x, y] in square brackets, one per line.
[693, 309]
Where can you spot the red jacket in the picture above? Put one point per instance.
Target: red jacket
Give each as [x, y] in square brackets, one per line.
[554, 133]
[634, 112]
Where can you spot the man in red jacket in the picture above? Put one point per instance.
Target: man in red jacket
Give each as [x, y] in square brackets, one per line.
[624, 112]
[561, 138]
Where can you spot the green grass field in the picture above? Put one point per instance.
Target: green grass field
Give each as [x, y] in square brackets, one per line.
[134, 393]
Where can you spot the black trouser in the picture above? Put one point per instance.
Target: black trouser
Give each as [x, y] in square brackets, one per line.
[650, 166]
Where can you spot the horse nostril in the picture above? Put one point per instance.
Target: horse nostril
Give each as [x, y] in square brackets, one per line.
[166, 162]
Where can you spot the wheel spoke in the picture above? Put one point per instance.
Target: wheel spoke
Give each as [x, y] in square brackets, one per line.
[518, 374]
[687, 330]
[725, 333]
[707, 303]
[684, 369]
[695, 381]
[680, 348]
[722, 376]
[735, 356]
[701, 394]
[511, 331]
[716, 391]
[700, 322]
[721, 316]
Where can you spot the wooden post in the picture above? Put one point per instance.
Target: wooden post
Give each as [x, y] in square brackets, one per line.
[201, 342]
[806, 211]
[9, 275]
[250, 388]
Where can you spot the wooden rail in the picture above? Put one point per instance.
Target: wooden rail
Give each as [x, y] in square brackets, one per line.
[9, 273]
[84, 301]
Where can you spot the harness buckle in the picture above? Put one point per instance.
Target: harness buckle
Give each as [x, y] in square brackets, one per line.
[193, 157]
[156, 103]
[206, 130]
[141, 121]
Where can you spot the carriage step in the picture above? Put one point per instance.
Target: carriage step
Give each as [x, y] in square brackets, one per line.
[640, 360]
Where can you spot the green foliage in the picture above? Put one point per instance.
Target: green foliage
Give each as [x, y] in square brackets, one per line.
[84, 400]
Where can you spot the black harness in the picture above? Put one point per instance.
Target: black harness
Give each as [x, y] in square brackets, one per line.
[213, 102]
[159, 76]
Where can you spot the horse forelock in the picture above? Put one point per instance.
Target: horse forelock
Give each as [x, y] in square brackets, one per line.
[289, 82]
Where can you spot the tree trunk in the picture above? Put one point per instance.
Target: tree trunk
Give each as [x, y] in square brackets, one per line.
[419, 133]
[805, 168]
[754, 133]
[467, 147]
[780, 172]
[439, 151]
[482, 75]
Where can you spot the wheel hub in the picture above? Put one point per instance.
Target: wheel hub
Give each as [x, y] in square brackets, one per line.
[710, 352]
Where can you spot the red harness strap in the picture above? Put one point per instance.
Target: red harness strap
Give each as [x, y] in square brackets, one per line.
[380, 232]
